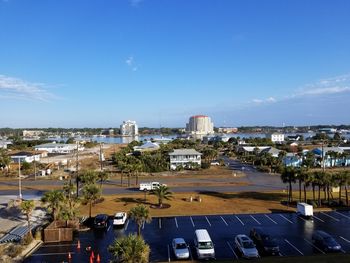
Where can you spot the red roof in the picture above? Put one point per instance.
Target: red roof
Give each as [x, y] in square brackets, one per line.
[199, 116]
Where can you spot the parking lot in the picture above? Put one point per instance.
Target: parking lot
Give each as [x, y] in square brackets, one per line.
[292, 232]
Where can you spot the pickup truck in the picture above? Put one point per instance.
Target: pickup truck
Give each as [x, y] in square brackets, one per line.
[149, 186]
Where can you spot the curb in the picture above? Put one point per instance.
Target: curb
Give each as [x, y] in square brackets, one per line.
[33, 249]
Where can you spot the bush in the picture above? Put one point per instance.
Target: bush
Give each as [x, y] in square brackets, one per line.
[14, 250]
[205, 165]
[264, 169]
[26, 240]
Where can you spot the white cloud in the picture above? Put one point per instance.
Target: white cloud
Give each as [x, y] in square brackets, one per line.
[17, 88]
[338, 84]
[130, 62]
[267, 100]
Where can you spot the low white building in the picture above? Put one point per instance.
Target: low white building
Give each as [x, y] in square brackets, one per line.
[147, 146]
[28, 157]
[184, 158]
[58, 148]
[277, 137]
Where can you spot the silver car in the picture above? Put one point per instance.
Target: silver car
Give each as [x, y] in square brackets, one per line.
[180, 248]
[246, 246]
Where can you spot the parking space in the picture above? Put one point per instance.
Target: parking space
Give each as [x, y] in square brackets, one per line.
[293, 234]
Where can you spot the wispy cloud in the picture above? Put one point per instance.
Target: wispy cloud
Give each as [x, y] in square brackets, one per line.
[135, 3]
[267, 100]
[16, 88]
[328, 86]
[130, 62]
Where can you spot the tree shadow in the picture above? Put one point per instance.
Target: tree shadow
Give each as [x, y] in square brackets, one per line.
[132, 200]
[246, 195]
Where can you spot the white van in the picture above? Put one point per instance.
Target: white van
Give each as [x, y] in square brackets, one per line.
[203, 244]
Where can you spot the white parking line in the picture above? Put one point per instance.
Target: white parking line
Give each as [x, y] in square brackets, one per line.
[127, 224]
[208, 221]
[300, 217]
[286, 218]
[294, 247]
[270, 219]
[255, 219]
[318, 218]
[314, 246]
[239, 220]
[177, 226]
[52, 254]
[192, 221]
[143, 224]
[342, 215]
[61, 245]
[224, 221]
[233, 251]
[168, 253]
[345, 239]
[336, 219]
[160, 223]
[109, 228]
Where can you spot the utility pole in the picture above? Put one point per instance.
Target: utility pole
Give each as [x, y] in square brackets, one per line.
[34, 164]
[101, 156]
[77, 169]
[19, 179]
[323, 164]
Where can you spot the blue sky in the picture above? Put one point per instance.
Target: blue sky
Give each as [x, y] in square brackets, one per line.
[92, 63]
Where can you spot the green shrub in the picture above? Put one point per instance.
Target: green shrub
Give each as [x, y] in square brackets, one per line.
[14, 250]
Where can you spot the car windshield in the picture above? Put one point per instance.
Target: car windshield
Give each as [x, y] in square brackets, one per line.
[181, 246]
[118, 217]
[330, 241]
[205, 245]
[248, 244]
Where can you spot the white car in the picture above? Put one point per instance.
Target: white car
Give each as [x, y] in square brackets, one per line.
[119, 219]
[246, 246]
[180, 248]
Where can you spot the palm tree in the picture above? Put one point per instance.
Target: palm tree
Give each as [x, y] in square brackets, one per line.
[140, 214]
[88, 177]
[54, 199]
[70, 204]
[162, 192]
[5, 159]
[27, 208]
[301, 177]
[288, 175]
[130, 249]
[91, 193]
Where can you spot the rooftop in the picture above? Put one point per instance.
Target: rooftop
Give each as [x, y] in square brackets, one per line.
[185, 152]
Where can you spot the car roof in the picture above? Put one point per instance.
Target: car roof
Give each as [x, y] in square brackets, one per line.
[323, 233]
[101, 216]
[179, 240]
[243, 237]
[120, 214]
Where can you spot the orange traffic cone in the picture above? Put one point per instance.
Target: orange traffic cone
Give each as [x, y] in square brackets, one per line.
[91, 260]
[98, 260]
[78, 245]
[92, 254]
[69, 255]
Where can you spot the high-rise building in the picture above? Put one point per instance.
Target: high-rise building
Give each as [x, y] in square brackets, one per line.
[129, 128]
[200, 124]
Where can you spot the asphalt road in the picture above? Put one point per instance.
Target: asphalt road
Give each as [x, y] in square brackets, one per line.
[257, 182]
[292, 233]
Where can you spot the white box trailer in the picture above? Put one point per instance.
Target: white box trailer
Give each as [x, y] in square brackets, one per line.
[149, 186]
[305, 210]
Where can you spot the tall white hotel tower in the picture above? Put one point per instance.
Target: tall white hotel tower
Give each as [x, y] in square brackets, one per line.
[129, 128]
[200, 125]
